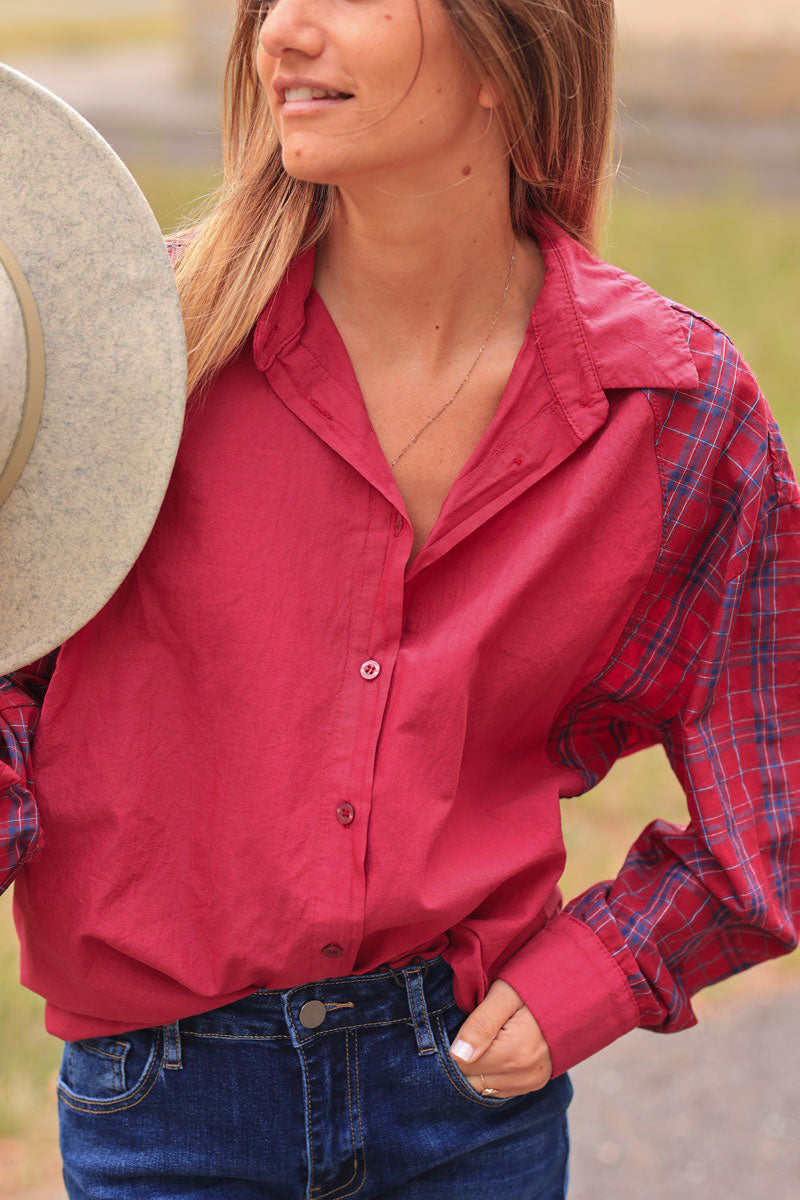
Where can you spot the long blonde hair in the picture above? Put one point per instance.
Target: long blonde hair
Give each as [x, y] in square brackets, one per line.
[551, 61]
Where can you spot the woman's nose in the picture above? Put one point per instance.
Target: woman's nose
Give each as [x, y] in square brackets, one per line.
[292, 25]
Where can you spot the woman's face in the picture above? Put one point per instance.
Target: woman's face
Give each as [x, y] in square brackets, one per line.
[389, 130]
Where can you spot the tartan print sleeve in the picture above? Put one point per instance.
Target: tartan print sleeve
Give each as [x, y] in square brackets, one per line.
[709, 667]
[21, 697]
[176, 243]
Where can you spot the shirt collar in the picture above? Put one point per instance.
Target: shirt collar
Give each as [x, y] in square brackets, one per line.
[597, 327]
[632, 334]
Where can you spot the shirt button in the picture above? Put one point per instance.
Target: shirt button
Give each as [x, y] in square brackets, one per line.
[332, 950]
[345, 813]
[370, 668]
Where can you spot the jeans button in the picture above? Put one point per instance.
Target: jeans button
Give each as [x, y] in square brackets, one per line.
[312, 1014]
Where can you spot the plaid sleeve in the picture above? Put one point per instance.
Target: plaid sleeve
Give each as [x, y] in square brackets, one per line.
[176, 243]
[173, 248]
[21, 697]
[708, 666]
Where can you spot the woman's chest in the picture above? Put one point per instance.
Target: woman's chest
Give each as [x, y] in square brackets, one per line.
[432, 453]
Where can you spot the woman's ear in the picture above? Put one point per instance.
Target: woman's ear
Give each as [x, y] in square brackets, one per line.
[489, 96]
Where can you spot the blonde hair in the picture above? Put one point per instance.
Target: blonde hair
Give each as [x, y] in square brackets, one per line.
[551, 62]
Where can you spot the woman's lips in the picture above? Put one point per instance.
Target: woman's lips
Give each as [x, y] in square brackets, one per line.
[301, 108]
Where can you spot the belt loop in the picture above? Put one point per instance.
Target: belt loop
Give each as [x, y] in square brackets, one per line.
[172, 1037]
[418, 1008]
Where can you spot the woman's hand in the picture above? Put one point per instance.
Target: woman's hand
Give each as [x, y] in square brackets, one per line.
[510, 1051]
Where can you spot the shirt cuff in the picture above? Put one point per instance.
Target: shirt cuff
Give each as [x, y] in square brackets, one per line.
[575, 989]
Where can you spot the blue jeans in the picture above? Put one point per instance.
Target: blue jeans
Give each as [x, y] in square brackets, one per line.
[338, 1088]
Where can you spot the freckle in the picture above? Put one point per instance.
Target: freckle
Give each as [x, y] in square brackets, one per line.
[436, 327]
[438, 89]
[466, 170]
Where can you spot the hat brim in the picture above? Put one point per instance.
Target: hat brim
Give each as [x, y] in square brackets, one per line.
[115, 371]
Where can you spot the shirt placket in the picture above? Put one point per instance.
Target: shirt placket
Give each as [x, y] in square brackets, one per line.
[374, 600]
[370, 654]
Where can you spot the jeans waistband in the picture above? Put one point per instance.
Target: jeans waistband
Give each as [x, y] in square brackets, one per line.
[312, 1010]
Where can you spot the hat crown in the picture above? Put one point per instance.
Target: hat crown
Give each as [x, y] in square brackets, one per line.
[21, 370]
[13, 366]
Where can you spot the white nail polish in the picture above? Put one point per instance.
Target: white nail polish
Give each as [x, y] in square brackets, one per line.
[463, 1049]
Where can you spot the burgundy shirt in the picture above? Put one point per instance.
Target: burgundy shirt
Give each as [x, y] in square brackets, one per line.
[279, 754]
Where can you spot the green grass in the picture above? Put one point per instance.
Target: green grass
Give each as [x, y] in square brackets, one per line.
[736, 260]
[173, 194]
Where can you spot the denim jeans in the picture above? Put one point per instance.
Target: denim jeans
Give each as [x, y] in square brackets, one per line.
[338, 1088]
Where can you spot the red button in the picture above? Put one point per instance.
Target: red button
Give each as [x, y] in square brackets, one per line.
[345, 813]
[332, 950]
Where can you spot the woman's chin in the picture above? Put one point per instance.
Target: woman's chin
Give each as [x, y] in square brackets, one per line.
[301, 163]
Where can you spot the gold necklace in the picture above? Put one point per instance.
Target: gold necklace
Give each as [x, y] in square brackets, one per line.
[472, 368]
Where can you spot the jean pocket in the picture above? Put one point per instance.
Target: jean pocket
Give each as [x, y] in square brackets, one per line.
[105, 1074]
[446, 1026]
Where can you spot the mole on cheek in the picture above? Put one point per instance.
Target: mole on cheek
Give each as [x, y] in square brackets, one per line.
[466, 170]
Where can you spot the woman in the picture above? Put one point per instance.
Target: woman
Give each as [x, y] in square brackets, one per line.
[460, 515]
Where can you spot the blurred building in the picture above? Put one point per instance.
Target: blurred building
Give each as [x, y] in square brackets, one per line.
[710, 21]
[207, 25]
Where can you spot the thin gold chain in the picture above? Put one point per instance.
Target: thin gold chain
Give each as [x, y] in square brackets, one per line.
[475, 363]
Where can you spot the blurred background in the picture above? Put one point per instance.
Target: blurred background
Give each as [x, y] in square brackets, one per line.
[707, 210]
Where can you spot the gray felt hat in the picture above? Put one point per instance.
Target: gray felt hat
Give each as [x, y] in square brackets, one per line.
[92, 371]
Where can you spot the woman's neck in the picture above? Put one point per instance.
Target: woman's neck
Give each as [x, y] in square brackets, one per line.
[427, 273]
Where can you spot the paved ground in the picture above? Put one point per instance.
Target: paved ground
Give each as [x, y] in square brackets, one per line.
[712, 1112]
[739, 21]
